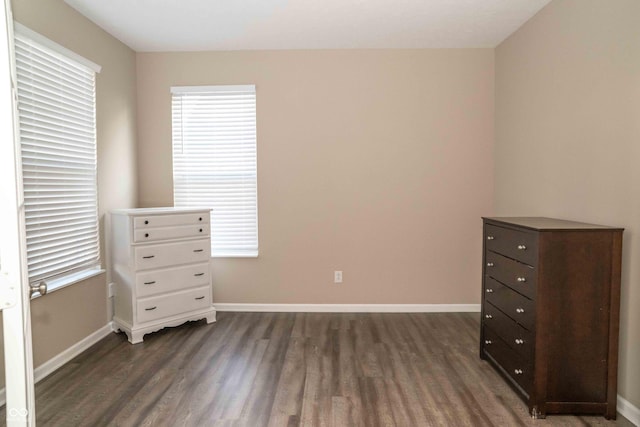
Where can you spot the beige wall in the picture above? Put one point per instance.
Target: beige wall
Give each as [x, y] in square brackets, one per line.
[568, 134]
[374, 162]
[66, 316]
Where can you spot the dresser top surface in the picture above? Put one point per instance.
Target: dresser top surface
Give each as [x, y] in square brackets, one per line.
[157, 211]
[548, 224]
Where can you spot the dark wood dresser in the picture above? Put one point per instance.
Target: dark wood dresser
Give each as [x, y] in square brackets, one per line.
[550, 311]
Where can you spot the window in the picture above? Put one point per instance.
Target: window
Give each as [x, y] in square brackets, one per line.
[57, 124]
[214, 162]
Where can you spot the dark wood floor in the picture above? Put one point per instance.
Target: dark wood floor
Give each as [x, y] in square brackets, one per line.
[288, 369]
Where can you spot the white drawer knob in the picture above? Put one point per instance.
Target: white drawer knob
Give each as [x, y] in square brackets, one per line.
[518, 371]
[519, 310]
[490, 237]
[521, 279]
[489, 264]
[489, 290]
[522, 248]
[488, 316]
[487, 342]
[519, 341]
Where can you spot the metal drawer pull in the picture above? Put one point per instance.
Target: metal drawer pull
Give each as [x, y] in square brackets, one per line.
[146, 234]
[487, 342]
[490, 237]
[149, 256]
[489, 264]
[198, 250]
[518, 371]
[519, 341]
[489, 290]
[202, 297]
[519, 310]
[522, 248]
[521, 279]
[200, 219]
[146, 223]
[201, 230]
[199, 274]
[150, 283]
[152, 308]
[488, 316]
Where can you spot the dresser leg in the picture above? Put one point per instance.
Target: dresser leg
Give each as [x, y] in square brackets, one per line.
[611, 413]
[135, 337]
[211, 317]
[536, 414]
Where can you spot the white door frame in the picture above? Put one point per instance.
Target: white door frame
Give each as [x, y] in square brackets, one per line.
[14, 286]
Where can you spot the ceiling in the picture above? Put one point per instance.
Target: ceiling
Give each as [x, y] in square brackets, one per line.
[193, 25]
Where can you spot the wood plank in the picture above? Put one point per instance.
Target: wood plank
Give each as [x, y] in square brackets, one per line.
[291, 369]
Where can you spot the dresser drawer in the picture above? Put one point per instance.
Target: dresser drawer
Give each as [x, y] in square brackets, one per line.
[517, 337]
[171, 279]
[168, 254]
[168, 233]
[512, 243]
[518, 276]
[153, 221]
[166, 305]
[514, 305]
[514, 365]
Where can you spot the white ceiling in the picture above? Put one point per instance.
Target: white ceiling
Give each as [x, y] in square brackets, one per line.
[190, 25]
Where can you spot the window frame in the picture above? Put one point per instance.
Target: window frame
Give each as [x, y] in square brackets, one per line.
[60, 278]
[208, 98]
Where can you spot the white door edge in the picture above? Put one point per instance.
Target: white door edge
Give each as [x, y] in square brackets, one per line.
[20, 406]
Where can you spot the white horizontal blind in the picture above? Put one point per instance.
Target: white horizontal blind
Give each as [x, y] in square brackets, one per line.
[214, 162]
[56, 105]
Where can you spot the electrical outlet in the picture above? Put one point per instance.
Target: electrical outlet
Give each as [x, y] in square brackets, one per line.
[337, 277]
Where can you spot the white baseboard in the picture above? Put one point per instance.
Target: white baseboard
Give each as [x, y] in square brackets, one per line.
[351, 308]
[628, 410]
[48, 367]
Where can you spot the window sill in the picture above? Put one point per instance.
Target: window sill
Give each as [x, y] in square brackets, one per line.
[71, 279]
[235, 255]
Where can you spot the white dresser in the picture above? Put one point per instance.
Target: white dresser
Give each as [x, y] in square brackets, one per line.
[160, 260]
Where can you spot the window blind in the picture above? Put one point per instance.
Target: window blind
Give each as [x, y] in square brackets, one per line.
[57, 124]
[214, 162]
